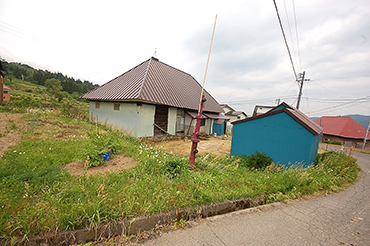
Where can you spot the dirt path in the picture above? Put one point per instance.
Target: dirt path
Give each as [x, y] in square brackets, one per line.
[11, 130]
[214, 145]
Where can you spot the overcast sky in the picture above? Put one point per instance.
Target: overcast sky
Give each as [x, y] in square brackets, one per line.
[249, 65]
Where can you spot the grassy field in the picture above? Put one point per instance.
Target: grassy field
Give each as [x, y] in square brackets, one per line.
[38, 196]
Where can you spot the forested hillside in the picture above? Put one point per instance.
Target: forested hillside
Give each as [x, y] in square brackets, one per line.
[46, 78]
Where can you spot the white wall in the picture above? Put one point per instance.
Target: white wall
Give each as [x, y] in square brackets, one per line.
[134, 118]
[138, 120]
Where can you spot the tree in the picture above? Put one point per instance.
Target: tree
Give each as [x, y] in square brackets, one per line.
[53, 85]
[37, 76]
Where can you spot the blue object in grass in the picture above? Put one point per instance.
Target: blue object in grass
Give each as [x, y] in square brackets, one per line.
[106, 156]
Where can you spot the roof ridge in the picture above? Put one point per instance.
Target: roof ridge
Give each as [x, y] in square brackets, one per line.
[146, 74]
[105, 84]
[173, 67]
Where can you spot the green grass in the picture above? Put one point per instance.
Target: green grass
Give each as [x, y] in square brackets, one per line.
[37, 196]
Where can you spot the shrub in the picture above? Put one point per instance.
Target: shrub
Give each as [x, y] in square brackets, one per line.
[174, 167]
[101, 143]
[333, 142]
[257, 161]
[323, 156]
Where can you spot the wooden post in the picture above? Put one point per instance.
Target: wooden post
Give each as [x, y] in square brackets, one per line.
[365, 138]
[1, 89]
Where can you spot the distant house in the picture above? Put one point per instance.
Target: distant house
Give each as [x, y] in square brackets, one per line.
[232, 115]
[343, 129]
[153, 99]
[4, 90]
[259, 109]
[284, 133]
[6, 93]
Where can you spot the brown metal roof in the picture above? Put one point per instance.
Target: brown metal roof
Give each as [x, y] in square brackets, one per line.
[155, 82]
[300, 117]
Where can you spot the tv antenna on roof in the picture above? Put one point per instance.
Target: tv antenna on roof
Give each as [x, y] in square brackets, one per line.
[155, 53]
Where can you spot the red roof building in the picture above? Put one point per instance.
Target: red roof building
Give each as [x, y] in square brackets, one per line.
[343, 129]
[6, 93]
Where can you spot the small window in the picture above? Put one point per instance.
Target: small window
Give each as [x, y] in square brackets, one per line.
[203, 122]
[97, 105]
[116, 106]
[5, 92]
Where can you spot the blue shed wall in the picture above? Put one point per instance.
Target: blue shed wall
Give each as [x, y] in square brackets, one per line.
[282, 138]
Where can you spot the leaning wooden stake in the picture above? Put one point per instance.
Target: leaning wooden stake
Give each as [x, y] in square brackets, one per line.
[195, 140]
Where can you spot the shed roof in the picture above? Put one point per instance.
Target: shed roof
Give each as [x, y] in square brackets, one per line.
[6, 87]
[155, 82]
[235, 113]
[342, 126]
[297, 115]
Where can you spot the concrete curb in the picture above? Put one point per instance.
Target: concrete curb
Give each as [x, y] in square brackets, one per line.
[136, 225]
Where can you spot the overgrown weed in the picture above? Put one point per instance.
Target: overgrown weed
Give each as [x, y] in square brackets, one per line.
[38, 196]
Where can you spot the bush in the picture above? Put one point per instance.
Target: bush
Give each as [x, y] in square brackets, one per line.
[100, 143]
[333, 142]
[174, 167]
[257, 161]
[323, 156]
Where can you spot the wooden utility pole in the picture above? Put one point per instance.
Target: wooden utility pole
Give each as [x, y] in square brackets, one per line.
[1, 83]
[300, 88]
[300, 83]
[365, 138]
[1, 88]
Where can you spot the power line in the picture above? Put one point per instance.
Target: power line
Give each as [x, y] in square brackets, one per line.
[334, 100]
[329, 90]
[287, 89]
[296, 31]
[253, 101]
[286, 43]
[290, 32]
[345, 105]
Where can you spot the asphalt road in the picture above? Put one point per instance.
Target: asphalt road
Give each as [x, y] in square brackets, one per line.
[337, 219]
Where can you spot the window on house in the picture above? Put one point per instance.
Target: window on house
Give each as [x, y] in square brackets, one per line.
[97, 105]
[203, 122]
[180, 120]
[5, 92]
[116, 106]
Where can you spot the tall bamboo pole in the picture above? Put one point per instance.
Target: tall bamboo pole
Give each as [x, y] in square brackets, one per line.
[195, 140]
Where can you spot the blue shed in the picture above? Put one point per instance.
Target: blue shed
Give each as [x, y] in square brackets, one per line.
[284, 133]
[219, 127]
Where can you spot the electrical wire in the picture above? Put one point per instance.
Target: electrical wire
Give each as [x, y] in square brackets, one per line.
[343, 105]
[287, 89]
[290, 32]
[296, 32]
[286, 43]
[329, 90]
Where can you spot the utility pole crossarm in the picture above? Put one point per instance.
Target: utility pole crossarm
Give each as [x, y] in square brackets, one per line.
[300, 83]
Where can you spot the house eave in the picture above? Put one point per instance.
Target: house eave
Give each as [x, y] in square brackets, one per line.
[145, 102]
